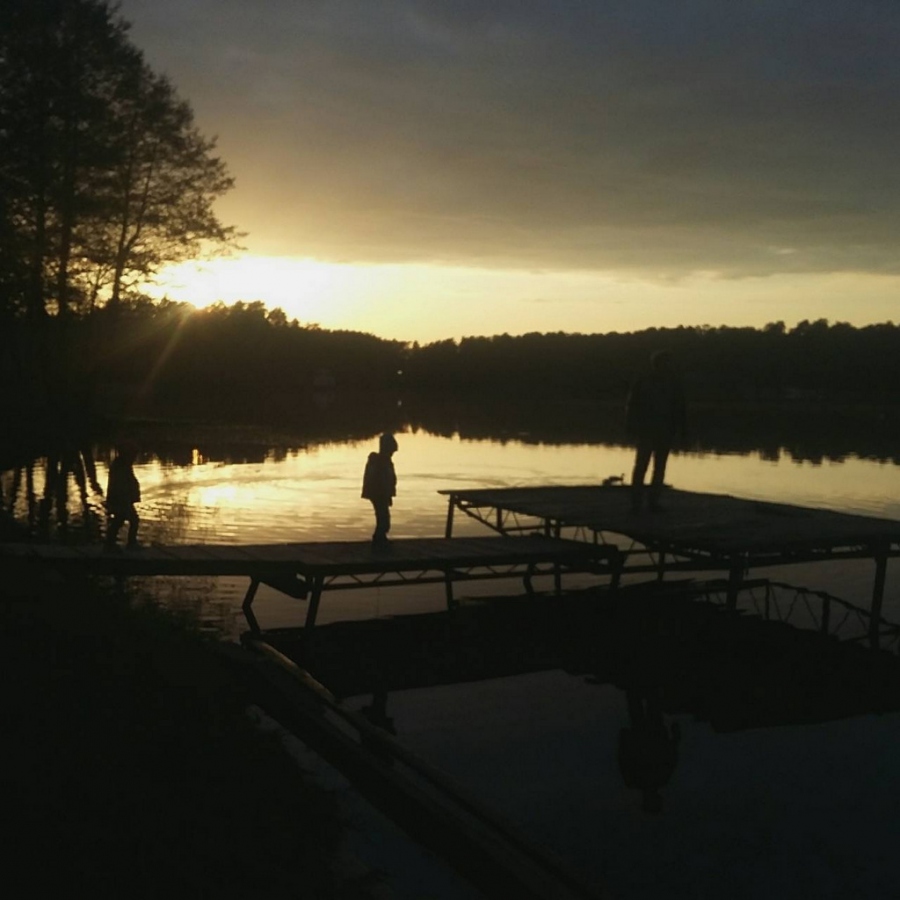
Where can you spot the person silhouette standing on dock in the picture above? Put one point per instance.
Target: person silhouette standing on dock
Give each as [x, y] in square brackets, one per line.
[122, 492]
[655, 420]
[380, 486]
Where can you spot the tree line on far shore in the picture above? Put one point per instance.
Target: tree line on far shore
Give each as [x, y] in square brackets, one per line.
[810, 361]
[170, 356]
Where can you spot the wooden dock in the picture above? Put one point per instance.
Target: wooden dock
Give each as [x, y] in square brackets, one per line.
[538, 530]
[305, 570]
[695, 531]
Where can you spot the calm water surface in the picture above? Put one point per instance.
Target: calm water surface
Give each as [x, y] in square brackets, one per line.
[313, 494]
[804, 809]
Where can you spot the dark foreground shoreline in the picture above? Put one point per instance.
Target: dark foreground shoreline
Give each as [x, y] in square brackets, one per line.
[131, 765]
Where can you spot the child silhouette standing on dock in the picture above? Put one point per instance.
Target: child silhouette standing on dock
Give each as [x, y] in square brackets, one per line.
[122, 492]
[380, 486]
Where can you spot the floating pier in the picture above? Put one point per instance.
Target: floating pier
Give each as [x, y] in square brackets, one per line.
[538, 531]
[694, 531]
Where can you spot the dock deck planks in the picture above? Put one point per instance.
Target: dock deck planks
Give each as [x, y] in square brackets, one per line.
[714, 524]
[310, 558]
[307, 569]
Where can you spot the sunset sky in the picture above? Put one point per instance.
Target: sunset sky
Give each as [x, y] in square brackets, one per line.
[423, 170]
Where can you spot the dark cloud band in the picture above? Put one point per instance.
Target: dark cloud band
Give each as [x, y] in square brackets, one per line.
[648, 136]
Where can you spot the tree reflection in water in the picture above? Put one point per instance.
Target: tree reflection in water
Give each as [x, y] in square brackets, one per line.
[37, 497]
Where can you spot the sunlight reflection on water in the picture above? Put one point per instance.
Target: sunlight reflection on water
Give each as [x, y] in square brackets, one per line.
[315, 494]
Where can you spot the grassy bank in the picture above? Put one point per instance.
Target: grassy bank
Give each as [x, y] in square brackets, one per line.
[131, 767]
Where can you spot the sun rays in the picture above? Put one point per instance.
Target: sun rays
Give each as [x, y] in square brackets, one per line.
[306, 289]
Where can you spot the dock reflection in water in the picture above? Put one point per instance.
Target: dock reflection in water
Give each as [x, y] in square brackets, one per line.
[659, 744]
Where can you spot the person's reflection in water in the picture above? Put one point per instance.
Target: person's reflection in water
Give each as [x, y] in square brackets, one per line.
[380, 486]
[54, 495]
[84, 471]
[648, 750]
[376, 713]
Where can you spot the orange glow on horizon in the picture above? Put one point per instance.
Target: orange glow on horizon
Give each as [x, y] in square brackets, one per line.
[429, 301]
[306, 289]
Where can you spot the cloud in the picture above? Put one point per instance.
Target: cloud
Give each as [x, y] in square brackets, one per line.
[646, 137]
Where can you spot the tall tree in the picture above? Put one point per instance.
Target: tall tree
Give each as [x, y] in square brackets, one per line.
[104, 175]
[158, 202]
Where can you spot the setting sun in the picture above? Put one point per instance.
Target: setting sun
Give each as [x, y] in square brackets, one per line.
[306, 289]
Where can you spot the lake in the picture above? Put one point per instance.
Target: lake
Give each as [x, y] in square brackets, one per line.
[756, 807]
[235, 487]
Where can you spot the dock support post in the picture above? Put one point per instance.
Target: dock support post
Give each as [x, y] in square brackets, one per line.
[448, 528]
[315, 596]
[881, 556]
[661, 565]
[448, 591]
[247, 605]
[735, 578]
[557, 569]
[617, 562]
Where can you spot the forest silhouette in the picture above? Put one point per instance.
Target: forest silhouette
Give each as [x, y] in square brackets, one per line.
[171, 349]
[815, 390]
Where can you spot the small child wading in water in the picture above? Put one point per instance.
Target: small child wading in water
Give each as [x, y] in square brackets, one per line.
[122, 491]
[380, 486]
